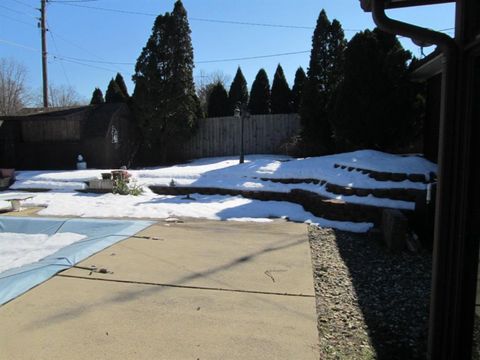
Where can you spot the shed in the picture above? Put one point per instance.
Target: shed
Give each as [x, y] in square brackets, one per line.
[52, 139]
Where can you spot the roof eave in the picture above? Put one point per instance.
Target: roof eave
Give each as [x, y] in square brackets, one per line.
[394, 4]
[429, 69]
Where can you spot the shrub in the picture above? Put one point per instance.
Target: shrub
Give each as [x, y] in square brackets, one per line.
[123, 186]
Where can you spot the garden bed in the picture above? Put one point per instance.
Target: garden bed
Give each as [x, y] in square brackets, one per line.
[370, 304]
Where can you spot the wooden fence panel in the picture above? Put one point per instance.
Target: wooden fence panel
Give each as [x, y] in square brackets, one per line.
[263, 134]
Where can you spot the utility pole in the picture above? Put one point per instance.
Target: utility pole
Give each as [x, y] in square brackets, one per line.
[44, 52]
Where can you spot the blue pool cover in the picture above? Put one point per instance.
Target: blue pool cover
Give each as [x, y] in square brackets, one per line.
[99, 235]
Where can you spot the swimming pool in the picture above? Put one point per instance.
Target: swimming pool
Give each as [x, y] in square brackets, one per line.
[81, 237]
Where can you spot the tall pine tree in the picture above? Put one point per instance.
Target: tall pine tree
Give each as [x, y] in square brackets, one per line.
[97, 97]
[122, 86]
[218, 104]
[381, 101]
[167, 107]
[260, 94]
[238, 92]
[114, 94]
[324, 74]
[297, 89]
[281, 101]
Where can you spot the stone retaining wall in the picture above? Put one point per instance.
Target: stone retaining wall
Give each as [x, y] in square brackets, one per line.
[318, 205]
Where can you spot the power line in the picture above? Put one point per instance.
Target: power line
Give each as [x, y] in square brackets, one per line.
[83, 64]
[253, 57]
[16, 20]
[85, 61]
[73, 1]
[219, 21]
[25, 4]
[100, 59]
[54, 57]
[56, 48]
[197, 62]
[12, 43]
[103, 9]
[15, 11]
[250, 23]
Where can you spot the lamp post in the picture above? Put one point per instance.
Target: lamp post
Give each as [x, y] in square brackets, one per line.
[241, 112]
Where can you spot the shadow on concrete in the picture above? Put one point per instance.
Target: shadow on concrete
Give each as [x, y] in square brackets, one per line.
[127, 296]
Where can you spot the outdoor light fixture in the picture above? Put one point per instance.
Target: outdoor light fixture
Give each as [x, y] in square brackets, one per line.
[241, 112]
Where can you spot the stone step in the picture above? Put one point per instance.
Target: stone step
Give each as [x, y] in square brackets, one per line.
[387, 193]
[402, 194]
[389, 176]
[295, 181]
[331, 209]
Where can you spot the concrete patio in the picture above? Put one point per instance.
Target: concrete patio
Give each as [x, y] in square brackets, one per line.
[192, 290]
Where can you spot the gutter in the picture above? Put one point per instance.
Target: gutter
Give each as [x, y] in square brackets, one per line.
[422, 35]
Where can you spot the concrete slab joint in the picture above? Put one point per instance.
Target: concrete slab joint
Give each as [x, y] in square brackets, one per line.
[209, 290]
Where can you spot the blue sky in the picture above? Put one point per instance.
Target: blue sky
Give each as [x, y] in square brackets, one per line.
[78, 32]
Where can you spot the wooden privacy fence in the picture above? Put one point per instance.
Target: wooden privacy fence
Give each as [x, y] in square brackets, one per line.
[263, 134]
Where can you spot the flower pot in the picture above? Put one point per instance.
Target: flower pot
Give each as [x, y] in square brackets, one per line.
[117, 174]
[5, 173]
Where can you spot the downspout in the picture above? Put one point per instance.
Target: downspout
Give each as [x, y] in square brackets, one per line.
[443, 277]
[445, 43]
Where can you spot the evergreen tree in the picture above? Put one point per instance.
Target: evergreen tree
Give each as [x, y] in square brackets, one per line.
[297, 89]
[281, 93]
[381, 102]
[166, 105]
[218, 104]
[324, 74]
[260, 94]
[238, 92]
[114, 94]
[97, 97]
[122, 86]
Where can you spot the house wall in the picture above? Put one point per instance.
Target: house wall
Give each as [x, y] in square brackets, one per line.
[431, 126]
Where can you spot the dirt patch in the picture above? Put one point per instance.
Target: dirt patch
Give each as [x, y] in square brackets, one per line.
[370, 304]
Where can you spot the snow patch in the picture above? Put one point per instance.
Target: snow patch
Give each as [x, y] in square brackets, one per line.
[21, 249]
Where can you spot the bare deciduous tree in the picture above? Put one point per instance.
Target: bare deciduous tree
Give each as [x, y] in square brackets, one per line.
[206, 82]
[61, 96]
[13, 93]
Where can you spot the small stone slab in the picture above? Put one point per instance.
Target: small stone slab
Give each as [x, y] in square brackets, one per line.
[5, 182]
[395, 229]
[100, 184]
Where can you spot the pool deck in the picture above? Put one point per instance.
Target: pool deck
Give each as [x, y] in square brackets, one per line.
[193, 290]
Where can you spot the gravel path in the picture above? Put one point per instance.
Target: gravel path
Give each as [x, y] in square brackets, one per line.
[370, 304]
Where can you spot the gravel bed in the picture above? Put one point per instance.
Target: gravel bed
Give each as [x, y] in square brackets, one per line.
[370, 304]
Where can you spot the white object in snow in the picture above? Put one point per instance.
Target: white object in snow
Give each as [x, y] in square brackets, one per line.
[15, 200]
[81, 163]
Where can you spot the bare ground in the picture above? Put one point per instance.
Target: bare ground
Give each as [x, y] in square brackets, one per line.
[370, 304]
